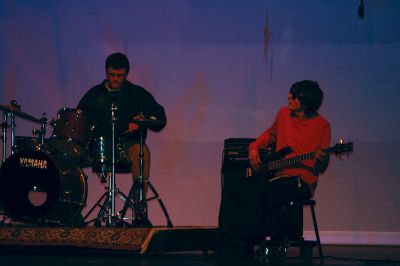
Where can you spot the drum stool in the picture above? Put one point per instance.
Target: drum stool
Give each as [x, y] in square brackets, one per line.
[284, 232]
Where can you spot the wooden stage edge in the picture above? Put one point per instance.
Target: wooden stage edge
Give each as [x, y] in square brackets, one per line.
[137, 240]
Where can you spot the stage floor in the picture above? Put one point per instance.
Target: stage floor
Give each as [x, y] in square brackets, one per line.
[335, 255]
[186, 245]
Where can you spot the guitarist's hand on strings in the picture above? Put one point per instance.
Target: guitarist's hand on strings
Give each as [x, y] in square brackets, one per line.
[254, 159]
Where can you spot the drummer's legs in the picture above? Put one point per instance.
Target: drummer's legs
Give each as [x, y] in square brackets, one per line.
[133, 155]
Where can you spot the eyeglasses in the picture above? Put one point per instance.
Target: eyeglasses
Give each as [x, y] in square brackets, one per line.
[296, 94]
[113, 75]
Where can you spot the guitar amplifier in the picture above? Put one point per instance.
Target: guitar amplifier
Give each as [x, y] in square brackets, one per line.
[237, 179]
[237, 149]
[235, 163]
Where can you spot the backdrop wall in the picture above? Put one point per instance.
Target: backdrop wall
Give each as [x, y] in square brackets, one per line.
[222, 69]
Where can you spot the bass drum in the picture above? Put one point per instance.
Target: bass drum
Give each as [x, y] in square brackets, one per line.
[36, 189]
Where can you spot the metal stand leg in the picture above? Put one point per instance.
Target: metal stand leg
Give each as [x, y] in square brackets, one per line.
[104, 203]
[138, 206]
[103, 209]
[156, 196]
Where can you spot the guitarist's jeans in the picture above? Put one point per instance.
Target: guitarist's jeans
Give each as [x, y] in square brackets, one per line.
[246, 202]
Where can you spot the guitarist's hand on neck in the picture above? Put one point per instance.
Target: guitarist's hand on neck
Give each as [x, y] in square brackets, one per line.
[254, 158]
[322, 160]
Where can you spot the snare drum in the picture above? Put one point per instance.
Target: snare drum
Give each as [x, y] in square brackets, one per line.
[71, 133]
[35, 188]
[100, 154]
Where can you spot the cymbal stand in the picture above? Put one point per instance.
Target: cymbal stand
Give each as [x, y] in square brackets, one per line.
[42, 131]
[13, 124]
[142, 197]
[137, 195]
[112, 215]
[4, 127]
[12, 128]
[107, 200]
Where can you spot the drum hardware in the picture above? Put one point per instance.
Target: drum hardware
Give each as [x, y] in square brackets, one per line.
[112, 216]
[12, 110]
[137, 191]
[42, 131]
[137, 200]
[140, 218]
[36, 188]
[107, 200]
[15, 109]
[104, 204]
[4, 127]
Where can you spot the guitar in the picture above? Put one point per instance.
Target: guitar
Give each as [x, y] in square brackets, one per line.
[273, 162]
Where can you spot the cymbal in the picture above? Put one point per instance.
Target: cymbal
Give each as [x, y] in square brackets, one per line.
[147, 121]
[15, 111]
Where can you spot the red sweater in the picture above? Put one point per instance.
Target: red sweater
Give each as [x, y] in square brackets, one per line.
[302, 135]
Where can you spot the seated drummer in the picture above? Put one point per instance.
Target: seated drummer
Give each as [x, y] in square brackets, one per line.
[132, 102]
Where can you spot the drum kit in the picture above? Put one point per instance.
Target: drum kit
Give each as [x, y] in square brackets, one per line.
[42, 181]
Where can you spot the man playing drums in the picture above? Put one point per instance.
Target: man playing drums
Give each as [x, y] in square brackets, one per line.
[132, 103]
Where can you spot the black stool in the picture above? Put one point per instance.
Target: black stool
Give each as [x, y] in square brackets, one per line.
[285, 229]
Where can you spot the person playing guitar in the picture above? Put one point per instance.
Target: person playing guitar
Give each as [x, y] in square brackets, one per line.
[298, 129]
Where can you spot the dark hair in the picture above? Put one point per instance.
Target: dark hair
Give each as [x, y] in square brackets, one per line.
[118, 61]
[309, 94]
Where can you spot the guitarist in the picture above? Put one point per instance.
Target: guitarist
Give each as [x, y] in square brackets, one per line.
[300, 127]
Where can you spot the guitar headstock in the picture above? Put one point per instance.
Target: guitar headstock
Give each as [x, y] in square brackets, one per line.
[341, 148]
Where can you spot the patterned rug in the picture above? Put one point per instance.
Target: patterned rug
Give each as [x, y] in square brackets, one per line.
[141, 240]
[133, 239]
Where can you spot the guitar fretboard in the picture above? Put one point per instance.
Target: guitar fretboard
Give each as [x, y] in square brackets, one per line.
[283, 163]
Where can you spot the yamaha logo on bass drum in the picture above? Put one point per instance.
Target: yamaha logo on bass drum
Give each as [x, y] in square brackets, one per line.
[32, 163]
